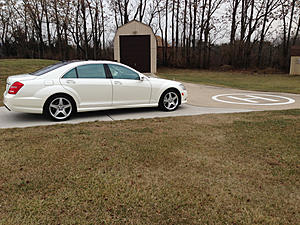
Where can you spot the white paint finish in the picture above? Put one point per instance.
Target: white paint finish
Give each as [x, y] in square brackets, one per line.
[49, 82]
[89, 94]
[254, 99]
[242, 99]
[262, 98]
[131, 92]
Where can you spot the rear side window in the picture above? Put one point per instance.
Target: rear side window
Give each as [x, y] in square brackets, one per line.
[71, 74]
[91, 71]
[121, 72]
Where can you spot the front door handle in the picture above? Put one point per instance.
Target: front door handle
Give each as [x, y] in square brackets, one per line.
[117, 82]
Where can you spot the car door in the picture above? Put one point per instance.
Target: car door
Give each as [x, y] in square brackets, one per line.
[90, 85]
[128, 88]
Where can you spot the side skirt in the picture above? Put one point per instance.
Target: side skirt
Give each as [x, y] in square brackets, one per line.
[117, 107]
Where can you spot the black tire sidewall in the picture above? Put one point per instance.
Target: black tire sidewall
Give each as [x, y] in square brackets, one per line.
[48, 115]
[161, 101]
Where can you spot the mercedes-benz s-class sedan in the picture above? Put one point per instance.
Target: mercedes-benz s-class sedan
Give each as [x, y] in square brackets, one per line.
[60, 90]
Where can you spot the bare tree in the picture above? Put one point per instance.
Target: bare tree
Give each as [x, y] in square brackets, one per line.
[268, 19]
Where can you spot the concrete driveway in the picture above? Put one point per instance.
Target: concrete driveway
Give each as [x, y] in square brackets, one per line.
[219, 97]
[19, 120]
[203, 99]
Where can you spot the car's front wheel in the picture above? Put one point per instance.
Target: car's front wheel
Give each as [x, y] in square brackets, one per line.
[169, 100]
[59, 108]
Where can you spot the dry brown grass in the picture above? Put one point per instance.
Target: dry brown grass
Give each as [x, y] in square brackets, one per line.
[261, 81]
[214, 169]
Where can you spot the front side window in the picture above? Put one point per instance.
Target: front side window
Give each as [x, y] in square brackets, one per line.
[91, 71]
[121, 72]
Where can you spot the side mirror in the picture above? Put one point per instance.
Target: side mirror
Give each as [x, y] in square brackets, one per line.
[142, 78]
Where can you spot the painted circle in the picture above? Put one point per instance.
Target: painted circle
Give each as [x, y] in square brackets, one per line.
[283, 100]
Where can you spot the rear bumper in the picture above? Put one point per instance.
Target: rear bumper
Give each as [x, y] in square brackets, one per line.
[23, 104]
[7, 107]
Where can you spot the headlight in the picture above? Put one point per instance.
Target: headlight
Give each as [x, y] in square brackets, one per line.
[182, 86]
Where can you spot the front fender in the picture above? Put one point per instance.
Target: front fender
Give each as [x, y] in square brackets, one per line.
[158, 90]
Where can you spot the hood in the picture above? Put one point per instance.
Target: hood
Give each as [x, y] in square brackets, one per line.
[162, 80]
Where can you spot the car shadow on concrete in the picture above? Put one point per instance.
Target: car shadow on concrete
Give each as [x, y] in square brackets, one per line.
[116, 112]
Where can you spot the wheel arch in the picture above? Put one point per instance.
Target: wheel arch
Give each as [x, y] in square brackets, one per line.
[61, 94]
[169, 89]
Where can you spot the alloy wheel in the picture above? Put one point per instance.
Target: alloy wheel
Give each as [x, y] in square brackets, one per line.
[171, 101]
[60, 108]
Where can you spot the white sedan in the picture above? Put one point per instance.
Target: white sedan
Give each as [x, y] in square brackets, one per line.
[60, 90]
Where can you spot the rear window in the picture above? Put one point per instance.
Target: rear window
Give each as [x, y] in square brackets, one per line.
[48, 69]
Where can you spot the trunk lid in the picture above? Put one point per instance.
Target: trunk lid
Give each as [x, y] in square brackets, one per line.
[22, 77]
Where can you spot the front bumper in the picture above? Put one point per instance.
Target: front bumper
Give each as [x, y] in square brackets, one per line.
[184, 96]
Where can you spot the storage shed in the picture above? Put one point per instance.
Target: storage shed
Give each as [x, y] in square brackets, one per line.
[295, 60]
[135, 45]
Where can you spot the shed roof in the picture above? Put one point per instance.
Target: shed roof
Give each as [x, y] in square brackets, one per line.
[137, 23]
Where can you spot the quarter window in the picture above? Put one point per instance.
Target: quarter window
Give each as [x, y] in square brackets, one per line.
[91, 71]
[71, 74]
[121, 72]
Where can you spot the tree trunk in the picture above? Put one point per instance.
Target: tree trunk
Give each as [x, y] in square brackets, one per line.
[166, 35]
[233, 31]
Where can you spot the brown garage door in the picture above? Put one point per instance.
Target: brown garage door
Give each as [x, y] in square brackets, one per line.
[135, 52]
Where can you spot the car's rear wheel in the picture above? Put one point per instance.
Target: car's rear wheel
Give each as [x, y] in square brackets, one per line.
[169, 100]
[59, 108]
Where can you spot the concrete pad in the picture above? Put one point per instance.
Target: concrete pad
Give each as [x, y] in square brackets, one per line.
[202, 95]
[184, 110]
[21, 120]
[202, 100]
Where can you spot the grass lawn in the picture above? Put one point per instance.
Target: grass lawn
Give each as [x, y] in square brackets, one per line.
[246, 81]
[10, 67]
[210, 169]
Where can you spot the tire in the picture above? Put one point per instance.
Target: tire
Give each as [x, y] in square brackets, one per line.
[169, 101]
[59, 108]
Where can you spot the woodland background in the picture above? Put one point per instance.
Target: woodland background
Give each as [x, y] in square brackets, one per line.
[230, 34]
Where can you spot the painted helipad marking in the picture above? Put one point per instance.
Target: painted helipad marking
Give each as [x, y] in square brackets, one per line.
[253, 99]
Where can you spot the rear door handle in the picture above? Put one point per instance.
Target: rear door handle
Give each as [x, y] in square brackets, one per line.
[117, 82]
[71, 82]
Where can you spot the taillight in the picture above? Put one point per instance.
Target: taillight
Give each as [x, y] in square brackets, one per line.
[15, 87]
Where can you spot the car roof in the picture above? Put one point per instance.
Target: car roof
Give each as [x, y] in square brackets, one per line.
[83, 62]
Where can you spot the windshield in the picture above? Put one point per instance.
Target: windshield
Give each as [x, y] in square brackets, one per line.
[48, 69]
